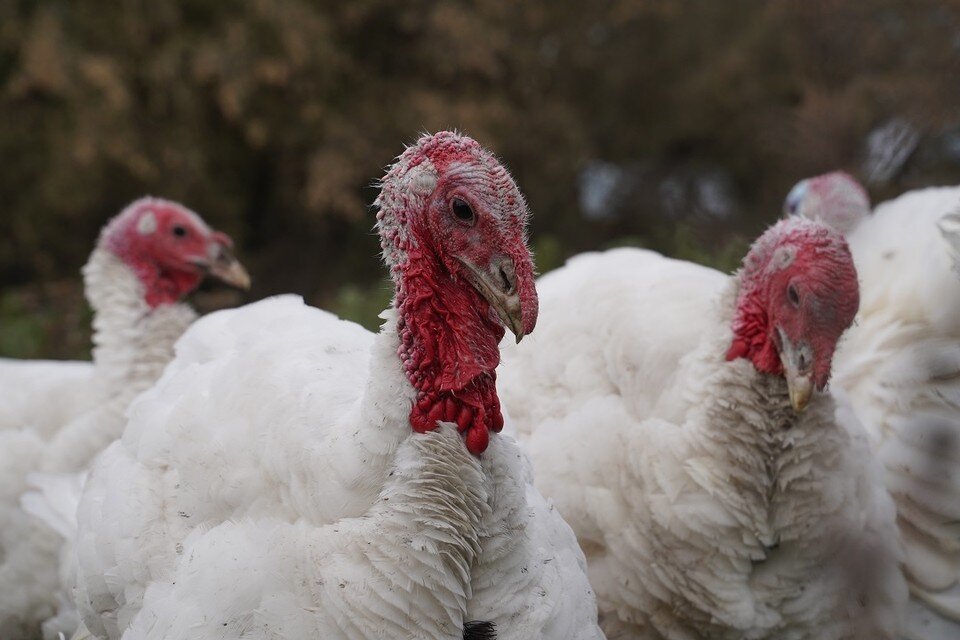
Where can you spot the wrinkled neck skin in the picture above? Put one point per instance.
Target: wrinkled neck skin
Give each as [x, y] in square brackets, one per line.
[160, 287]
[133, 341]
[752, 334]
[449, 349]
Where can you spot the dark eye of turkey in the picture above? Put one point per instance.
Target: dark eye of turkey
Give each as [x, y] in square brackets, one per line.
[461, 210]
[793, 295]
[179, 231]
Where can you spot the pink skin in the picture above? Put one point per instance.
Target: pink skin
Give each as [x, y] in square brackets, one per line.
[168, 247]
[470, 212]
[798, 278]
[835, 198]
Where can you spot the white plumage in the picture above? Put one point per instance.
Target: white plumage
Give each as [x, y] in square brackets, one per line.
[66, 413]
[270, 486]
[900, 368]
[705, 506]
[132, 347]
[28, 386]
[248, 445]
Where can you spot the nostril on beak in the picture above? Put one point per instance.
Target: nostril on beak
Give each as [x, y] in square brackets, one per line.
[502, 274]
[505, 282]
[508, 278]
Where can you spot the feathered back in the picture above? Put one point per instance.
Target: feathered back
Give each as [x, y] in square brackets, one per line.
[905, 250]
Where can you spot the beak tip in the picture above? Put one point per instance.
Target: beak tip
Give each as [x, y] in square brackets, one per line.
[800, 398]
[239, 277]
[516, 328]
[234, 275]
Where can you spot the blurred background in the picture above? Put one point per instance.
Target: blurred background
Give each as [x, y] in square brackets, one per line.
[677, 125]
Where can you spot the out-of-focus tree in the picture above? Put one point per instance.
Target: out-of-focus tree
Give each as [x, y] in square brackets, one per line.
[674, 124]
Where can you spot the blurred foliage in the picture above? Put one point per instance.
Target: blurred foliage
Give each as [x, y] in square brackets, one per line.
[273, 118]
[44, 320]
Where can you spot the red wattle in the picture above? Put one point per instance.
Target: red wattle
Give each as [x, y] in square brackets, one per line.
[751, 335]
[477, 440]
[738, 349]
[449, 349]
[465, 419]
[167, 287]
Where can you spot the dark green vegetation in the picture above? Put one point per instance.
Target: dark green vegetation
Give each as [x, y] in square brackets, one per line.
[272, 118]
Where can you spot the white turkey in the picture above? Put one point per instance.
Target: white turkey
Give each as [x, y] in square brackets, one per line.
[675, 417]
[29, 384]
[146, 260]
[294, 476]
[900, 368]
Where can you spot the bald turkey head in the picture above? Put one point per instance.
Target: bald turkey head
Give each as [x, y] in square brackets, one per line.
[453, 230]
[170, 249]
[835, 198]
[798, 294]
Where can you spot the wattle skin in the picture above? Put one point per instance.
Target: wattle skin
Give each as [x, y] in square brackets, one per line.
[449, 347]
[163, 287]
[163, 268]
[751, 337]
[449, 333]
[817, 260]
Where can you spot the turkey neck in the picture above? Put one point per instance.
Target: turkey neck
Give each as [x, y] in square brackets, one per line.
[407, 361]
[428, 515]
[449, 348]
[744, 418]
[132, 341]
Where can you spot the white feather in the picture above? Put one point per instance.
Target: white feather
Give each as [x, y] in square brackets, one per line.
[900, 367]
[62, 433]
[253, 479]
[45, 394]
[700, 513]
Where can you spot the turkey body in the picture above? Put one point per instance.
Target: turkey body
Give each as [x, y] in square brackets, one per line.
[133, 348]
[37, 399]
[297, 455]
[29, 385]
[59, 416]
[705, 505]
[900, 368]
[292, 475]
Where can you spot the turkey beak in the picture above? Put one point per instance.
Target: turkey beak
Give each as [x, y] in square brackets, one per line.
[498, 286]
[797, 369]
[222, 265]
[226, 268]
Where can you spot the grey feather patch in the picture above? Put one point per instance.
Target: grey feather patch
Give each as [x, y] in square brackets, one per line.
[423, 178]
[147, 223]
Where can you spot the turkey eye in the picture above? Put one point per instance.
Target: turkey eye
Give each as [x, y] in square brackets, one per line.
[179, 231]
[793, 295]
[462, 211]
